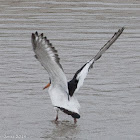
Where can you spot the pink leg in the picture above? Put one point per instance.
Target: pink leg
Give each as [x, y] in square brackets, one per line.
[75, 121]
[56, 117]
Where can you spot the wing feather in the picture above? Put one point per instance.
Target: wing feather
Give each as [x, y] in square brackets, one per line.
[49, 59]
[81, 74]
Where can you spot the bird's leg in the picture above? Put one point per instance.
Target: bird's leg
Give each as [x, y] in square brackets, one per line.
[75, 121]
[56, 116]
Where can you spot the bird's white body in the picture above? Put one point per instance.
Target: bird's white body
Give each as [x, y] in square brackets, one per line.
[59, 98]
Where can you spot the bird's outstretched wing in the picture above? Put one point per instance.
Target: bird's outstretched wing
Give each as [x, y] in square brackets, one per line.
[81, 74]
[49, 59]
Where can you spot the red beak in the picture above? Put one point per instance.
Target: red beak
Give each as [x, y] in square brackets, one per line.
[47, 86]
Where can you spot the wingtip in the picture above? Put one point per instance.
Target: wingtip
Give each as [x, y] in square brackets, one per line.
[33, 36]
[45, 38]
[42, 35]
[36, 33]
[121, 29]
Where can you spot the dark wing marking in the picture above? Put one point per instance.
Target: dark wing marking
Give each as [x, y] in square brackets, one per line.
[48, 44]
[73, 114]
[72, 85]
[81, 74]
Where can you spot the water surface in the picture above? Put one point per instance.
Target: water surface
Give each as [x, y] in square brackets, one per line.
[110, 97]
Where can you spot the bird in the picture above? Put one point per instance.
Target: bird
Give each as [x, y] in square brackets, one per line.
[61, 91]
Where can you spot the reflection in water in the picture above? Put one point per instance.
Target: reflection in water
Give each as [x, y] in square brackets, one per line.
[63, 129]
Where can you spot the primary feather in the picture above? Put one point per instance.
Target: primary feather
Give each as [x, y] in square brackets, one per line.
[81, 74]
[49, 59]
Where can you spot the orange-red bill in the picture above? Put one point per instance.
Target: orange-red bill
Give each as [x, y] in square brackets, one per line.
[47, 86]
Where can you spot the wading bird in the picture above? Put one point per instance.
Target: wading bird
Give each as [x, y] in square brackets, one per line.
[62, 92]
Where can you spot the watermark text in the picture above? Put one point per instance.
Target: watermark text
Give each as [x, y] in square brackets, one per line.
[17, 136]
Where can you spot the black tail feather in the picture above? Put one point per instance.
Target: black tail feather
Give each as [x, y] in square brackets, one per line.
[73, 114]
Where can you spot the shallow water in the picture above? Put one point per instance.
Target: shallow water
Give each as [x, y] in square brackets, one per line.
[110, 97]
